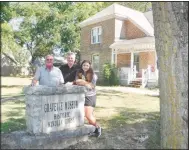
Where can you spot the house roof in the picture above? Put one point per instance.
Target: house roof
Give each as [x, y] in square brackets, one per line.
[149, 17]
[141, 20]
[134, 43]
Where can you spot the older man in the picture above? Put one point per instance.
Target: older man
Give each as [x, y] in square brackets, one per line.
[48, 74]
[69, 70]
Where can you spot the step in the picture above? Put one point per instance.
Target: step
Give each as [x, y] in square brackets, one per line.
[135, 86]
[136, 82]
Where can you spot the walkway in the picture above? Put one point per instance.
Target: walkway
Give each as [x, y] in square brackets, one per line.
[144, 91]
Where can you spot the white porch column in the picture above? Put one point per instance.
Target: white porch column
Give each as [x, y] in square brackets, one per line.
[156, 59]
[114, 57]
[131, 70]
[132, 60]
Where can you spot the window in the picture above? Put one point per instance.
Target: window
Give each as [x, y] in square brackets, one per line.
[95, 62]
[96, 35]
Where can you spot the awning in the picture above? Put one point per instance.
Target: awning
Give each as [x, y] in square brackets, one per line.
[139, 44]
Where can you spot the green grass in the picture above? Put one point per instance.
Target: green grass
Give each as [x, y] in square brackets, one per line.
[13, 116]
[131, 118]
[114, 111]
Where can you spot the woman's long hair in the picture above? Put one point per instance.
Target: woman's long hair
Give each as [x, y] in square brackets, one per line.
[89, 73]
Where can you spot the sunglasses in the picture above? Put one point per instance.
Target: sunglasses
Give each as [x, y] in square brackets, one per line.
[49, 59]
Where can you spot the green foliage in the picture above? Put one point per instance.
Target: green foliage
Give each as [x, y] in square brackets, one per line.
[46, 25]
[140, 6]
[40, 28]
[110, 74]
[8, 44]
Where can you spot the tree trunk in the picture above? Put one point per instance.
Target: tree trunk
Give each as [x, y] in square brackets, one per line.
[171, 38]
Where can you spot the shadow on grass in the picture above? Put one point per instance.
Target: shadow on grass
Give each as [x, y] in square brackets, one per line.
[12, 86]
[17, 98]
[13, 124]
[111, 93]
[143, 124]
[13, 116]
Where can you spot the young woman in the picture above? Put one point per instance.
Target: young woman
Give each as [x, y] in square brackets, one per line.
[86, 77]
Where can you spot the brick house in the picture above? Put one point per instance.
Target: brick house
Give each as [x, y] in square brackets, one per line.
[124, 37]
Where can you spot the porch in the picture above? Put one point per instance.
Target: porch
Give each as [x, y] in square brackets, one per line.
[136, 60]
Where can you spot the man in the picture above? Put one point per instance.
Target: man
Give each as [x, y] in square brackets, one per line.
[69, 70]
[48, 75]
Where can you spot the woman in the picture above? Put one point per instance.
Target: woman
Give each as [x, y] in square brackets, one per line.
[86, 77]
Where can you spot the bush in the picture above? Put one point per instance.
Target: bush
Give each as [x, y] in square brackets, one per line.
[110, 74]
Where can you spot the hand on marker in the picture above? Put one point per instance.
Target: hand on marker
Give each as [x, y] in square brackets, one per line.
[69, 83]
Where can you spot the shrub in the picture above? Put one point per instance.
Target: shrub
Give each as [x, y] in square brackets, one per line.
[110, 74]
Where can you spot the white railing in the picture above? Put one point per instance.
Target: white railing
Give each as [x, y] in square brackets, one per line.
[146, 75]
[124, 75]
[127, 75]
[132, 74]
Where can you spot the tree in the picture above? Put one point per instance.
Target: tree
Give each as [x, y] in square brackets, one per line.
[70, 30]
[47, 25]
[171, 36]
[140, 6]
[40, 29]
[9, 45]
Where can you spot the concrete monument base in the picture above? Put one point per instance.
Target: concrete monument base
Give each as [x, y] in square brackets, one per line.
[55, 140]
[54, 119]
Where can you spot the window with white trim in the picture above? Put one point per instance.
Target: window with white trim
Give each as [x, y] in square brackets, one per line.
[95, 62]
[96, 35]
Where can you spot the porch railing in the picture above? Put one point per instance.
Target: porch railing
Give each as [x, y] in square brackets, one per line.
[132, 74]
[127, 75]
[147, 74]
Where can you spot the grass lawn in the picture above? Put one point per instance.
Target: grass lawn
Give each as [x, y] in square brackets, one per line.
[121, 115]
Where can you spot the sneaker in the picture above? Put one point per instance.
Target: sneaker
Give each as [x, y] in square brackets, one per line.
[98, 131]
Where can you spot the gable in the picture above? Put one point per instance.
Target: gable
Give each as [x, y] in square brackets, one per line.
[123, 13]
[132, 31]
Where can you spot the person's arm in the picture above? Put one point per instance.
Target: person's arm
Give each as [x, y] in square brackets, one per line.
[91, 84]
[61, 78]
[36, 77]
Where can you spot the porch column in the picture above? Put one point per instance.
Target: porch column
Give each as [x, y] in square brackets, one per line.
[156, 59]
[114, 57]
[132, 60]
[131, 70]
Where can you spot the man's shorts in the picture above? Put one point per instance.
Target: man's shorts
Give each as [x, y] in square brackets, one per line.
[90, 101]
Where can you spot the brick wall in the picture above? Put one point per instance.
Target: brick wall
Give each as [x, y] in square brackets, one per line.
[132, 31]
[124, 60]
[109, 32]
[88, 49]
[146, 58]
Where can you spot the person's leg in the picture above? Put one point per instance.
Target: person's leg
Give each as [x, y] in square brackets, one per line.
[90, 103]
[89, 115]
[92, 120]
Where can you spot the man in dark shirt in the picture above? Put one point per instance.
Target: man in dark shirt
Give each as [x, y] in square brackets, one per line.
[69, 70]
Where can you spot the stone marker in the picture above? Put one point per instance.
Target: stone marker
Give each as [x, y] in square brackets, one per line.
[54, 119]
[50, 109]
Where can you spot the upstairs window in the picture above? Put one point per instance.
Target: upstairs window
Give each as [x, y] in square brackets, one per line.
[96, 35]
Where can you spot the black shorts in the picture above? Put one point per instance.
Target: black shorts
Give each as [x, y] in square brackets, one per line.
[90, 101]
